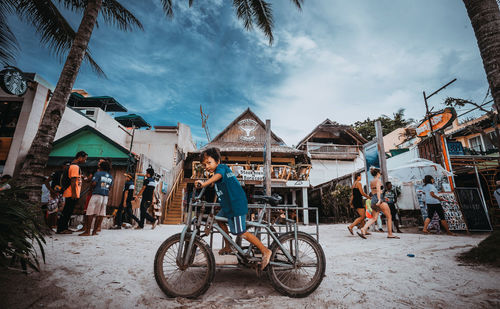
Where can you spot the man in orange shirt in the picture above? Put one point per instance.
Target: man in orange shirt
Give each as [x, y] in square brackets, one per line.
[72, 191]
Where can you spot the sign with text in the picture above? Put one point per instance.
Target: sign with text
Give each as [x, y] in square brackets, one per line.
[297, 183]
[252, 175]
[439, 121]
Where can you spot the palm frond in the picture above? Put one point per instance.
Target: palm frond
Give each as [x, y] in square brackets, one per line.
[8, 43]
[73, 5]
[95, 67]
[116, 14]
[190, 3]
[244, 12]
[298, 3]
[56, 33]
[167, 7]
[262, 13]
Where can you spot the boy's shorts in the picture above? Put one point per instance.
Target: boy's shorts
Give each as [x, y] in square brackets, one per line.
[237, 225]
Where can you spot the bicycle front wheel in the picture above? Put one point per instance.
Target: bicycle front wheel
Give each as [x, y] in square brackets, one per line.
[190, 281]
[303, 277]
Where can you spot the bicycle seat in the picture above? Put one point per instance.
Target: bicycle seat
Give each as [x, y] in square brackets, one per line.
[273, 200]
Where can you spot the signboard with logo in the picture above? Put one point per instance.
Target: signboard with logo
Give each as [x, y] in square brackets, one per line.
[252, 175]
[248, 126]
[439, 121]
[13, 81]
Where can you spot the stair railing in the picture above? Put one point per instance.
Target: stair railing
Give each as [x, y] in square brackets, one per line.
[171, 194]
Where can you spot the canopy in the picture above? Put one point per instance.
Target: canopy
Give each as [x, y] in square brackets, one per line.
[416, 170]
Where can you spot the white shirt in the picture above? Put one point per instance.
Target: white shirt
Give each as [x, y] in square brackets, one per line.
[428, 188]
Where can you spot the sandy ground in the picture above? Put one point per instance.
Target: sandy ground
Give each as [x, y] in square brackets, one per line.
[115, 270]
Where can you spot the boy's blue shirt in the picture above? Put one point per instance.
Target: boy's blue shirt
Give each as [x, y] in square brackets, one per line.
[233, 199]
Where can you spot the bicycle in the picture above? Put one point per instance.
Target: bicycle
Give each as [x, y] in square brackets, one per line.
[185, 266]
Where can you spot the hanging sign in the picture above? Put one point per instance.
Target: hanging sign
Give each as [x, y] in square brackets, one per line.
[252, 175]
[439, 120]
[12, 81]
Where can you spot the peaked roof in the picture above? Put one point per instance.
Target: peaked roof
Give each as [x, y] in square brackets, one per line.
[278, 146]
[240, 117]
[328, 124]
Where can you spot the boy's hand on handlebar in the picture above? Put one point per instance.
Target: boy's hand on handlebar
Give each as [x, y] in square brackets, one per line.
[198, 184]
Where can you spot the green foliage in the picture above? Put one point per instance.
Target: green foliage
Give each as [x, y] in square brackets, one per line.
[21, 227]
[335, 203]
[367, 127]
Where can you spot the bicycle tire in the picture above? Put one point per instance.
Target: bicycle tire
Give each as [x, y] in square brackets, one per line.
[296, 285]
[201, 269]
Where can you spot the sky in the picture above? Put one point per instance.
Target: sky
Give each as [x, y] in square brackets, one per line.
[342, 60]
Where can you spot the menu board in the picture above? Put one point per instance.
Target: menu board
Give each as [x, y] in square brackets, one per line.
[473, 209]
[452, 213]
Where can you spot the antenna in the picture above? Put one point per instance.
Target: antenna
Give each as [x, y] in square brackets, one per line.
[204, 118]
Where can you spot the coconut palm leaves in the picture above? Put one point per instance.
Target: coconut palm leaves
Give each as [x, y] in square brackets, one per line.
[259, 12]
[20, 229]
[54, 30]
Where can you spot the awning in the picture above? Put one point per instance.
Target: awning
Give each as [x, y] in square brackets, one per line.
[132, 120]
[108, 104]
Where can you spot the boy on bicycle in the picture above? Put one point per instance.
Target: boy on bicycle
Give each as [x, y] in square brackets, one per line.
[233, 201]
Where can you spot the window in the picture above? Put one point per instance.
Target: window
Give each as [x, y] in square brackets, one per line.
[475, 143]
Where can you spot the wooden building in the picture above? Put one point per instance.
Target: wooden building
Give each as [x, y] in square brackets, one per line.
[241, 145]
[335, 150]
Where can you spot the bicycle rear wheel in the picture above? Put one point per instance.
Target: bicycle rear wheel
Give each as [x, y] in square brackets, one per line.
[303, 278]
[190, 281]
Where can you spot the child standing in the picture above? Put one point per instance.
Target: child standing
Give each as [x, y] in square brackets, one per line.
[233, 201]
[391, 199]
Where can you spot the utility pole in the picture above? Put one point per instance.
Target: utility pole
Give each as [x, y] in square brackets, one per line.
[428, 117]
[381, 150]
[267, 168]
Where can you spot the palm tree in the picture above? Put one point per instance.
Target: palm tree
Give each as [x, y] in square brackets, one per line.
[484, 16]
[251, 12]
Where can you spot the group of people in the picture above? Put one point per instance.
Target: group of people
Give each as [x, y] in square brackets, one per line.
[379, 201]
[65, 190]
[383, 200]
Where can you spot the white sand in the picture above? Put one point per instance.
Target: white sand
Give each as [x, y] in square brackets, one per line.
[115, 270]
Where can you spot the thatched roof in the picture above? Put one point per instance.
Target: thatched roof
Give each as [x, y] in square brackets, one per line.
[331, 126]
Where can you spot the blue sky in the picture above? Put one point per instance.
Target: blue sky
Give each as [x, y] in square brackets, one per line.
[343, 60]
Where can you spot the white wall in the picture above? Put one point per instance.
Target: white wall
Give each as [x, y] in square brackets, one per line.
[27, 125]
[326, 170]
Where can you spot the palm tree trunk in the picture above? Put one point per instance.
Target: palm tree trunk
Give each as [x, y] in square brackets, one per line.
[484, 16]
[31, 175]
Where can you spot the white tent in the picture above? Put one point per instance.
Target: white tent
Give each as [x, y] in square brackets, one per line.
[415, 170]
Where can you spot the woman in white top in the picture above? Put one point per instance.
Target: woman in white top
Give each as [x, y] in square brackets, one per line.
[433, 202]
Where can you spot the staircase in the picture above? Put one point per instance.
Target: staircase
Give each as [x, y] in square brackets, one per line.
[174, 210]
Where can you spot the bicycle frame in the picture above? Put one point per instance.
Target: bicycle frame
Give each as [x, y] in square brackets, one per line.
[193, 224]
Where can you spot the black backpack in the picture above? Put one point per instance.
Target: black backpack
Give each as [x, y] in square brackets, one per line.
[65, 180]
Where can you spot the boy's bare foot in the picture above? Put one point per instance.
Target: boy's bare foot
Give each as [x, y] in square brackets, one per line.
[266, 256]
[451, 234]
[84, 234]
[225, 250]
[94, 233]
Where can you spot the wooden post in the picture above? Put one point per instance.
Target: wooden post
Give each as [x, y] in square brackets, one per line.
[381, 151]
[268, 157]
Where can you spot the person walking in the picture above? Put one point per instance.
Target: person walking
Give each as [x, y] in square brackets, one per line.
[147, 192]
[433, 203]
[126, 202]
[378, 205]
[356, 202]
[391, 198]
[101, 183]
[72, 185]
